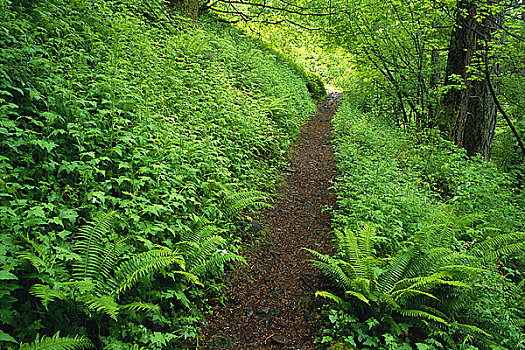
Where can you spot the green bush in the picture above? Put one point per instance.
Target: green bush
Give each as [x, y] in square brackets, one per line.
[441, 243]
[315, 86]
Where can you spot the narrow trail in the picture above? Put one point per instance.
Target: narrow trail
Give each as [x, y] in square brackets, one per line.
[270, 303]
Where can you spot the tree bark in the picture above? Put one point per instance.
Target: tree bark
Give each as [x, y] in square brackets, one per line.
[468, 114]
[188, 8]
[475, 125]
[460, 53]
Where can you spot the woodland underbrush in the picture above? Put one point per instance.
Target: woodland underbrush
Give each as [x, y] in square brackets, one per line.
[129, 142]
[430, 243]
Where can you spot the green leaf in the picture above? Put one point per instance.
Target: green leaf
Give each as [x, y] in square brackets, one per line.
[6, 337]
[6, 275]
[46, 145]
[37, 211]
[358, 296]
[329, 295]
[58, 343]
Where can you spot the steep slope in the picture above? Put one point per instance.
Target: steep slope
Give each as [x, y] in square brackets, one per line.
[120, 106]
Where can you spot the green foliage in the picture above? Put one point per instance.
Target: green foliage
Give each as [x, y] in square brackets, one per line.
[315, 86]
[57, 342]
[233, 204]
[439, 244]
[100, 275]
[125, 109]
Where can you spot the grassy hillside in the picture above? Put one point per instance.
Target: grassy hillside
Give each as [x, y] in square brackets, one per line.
[129, 142]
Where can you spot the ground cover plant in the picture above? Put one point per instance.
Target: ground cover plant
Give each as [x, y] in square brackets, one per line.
[430, 243]
[130, 140]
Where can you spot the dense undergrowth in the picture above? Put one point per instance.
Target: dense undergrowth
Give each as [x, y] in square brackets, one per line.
[129, 142]
[430, 243]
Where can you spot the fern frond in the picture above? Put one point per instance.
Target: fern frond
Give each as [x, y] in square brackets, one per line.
[235, 203]
[46, 294]
[182, 298]
[396, 270]
[139, 306]
[408, 292]
[39, 262]
[82, 287]
[386, 300]
[214, 264]
[104, 304]
[427, 282]
[110, 256]
[445, 226]
[357, 249]
[206, 249]
[468, 328]
[422, 315]
[331, 268]
[506, 250]
[428, 261]
[335, 274]
[190, 277]
[57, 342]
[202, 231]
[503, 244]
[129, 272]
[461, 271]
[91, 246]
[328, 295]
[358, 296]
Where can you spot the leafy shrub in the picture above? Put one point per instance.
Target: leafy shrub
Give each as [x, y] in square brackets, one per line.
[441, 243]
[315, 86]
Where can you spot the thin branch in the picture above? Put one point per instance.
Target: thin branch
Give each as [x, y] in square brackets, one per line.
[496, 101]
[280, 9]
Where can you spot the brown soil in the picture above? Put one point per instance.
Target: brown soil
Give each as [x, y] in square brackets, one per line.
[270, 302]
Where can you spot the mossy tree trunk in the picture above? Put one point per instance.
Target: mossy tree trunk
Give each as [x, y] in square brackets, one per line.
[467, 112]
[189, 8]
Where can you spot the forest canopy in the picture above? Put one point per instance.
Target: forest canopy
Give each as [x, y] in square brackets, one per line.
[454, 65]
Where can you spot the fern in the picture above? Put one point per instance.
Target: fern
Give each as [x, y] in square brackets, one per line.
[445, 226]
[139, 306]
[92, 248]
[235, 203]
[412, 280]
[331, 268]
[358, 296]
[494, 247]
[422, 315]
[357, 249]
[46, 294]
[203, 251]
[140, 265]
[214, 265]
[57, 342]
[329, 295]
[396, 270]
[100, 275]
[104, 304]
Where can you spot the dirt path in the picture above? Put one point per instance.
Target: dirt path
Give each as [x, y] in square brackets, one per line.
[270, 303]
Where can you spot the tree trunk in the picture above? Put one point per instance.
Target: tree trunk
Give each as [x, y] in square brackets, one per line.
[476, 122]
[468, 113]
[460, 53]
[188, 8]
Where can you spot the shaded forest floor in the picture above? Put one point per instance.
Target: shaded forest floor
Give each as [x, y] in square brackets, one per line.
[270, 302]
